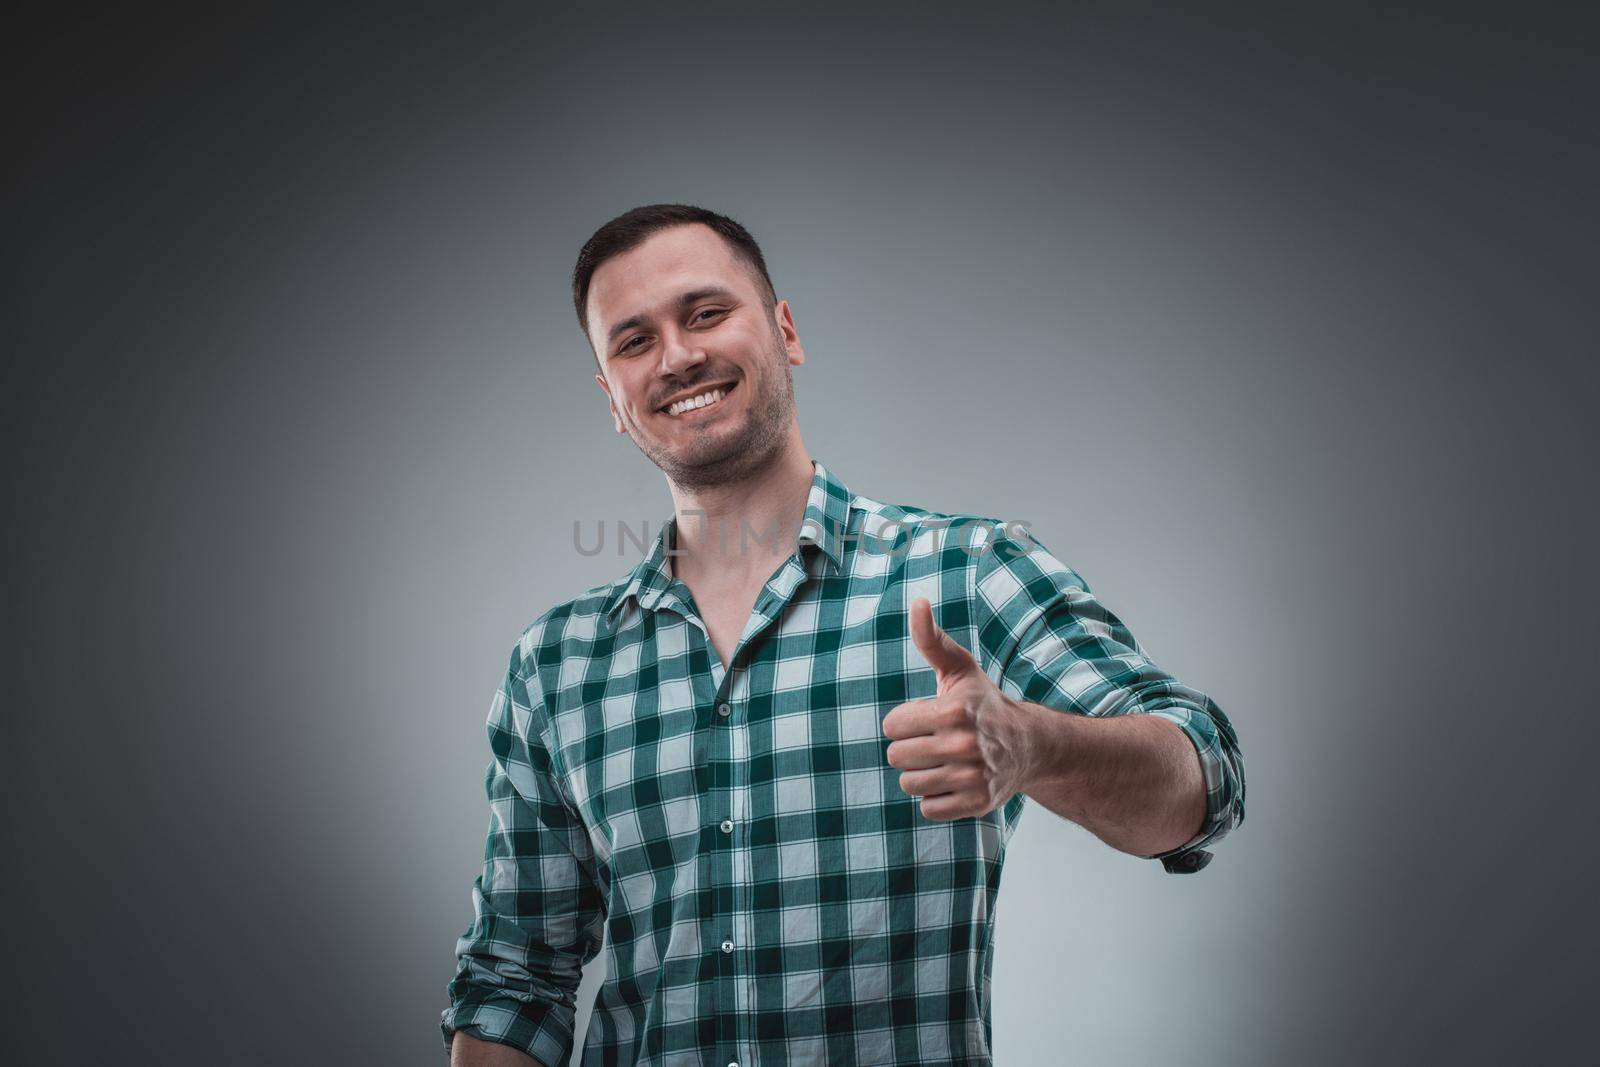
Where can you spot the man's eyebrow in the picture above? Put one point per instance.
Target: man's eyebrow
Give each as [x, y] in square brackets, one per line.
[683, 301]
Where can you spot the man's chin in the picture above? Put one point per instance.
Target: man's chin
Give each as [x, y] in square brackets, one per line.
[707, 465]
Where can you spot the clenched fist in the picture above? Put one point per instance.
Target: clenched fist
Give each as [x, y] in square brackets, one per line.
[966, 750]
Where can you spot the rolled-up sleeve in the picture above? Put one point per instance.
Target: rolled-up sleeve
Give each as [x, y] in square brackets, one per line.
[538, 913]
[1046, 639]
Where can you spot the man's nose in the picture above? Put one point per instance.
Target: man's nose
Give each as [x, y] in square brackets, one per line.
[679, 354]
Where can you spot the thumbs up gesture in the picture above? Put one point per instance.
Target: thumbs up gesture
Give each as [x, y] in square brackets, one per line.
[966, 750]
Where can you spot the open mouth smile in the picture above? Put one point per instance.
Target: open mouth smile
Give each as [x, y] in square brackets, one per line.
[692, 406]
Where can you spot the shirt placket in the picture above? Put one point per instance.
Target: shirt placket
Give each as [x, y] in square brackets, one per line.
[730, 929]
[728, 740]
[715, 695]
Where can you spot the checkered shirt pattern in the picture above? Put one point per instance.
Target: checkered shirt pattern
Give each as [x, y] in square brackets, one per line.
[768, 893]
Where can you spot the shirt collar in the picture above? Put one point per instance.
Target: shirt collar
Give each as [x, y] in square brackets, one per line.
[826, 519]
[827, 515]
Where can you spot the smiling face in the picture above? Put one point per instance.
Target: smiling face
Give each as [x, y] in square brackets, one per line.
[682, 318]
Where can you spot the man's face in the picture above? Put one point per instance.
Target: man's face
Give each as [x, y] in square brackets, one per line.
[679, 317]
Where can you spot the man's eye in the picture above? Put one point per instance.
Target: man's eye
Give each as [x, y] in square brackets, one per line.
[629, 343]
[707, 311]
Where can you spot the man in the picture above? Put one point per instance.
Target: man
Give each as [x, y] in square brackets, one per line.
[779, 761]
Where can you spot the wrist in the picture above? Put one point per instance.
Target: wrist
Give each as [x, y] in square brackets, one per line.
[1052, 737]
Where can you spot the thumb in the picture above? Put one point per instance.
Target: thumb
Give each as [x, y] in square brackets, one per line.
[942, 651]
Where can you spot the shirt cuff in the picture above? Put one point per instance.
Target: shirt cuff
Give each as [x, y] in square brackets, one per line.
[542, 1030]
[1191, 856]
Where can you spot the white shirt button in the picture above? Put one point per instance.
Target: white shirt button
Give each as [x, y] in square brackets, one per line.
[727, 826]
[724, 710]
[727, 946]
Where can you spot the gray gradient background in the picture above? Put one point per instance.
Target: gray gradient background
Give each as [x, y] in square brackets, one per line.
[1278, 330]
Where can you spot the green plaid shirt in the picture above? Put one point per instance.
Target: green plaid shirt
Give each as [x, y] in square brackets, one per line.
[770, 894]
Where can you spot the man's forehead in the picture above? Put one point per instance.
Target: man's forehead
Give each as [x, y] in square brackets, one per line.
[668, 263]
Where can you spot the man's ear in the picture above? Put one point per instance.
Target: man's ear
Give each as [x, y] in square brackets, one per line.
[784, 318]
[606, 389]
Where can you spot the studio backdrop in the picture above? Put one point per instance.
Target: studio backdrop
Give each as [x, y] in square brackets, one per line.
[1276, 328]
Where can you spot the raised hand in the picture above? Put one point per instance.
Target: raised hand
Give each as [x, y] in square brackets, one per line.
[966, 750]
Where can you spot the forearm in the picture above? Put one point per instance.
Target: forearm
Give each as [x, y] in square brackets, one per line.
[466, 1051]
[1134, 781]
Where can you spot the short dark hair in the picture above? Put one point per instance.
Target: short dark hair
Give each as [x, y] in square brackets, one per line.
[631, 229]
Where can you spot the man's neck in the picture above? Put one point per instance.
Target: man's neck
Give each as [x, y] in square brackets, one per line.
[742, 530]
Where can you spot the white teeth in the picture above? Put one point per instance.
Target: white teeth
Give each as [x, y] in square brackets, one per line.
[695, 402]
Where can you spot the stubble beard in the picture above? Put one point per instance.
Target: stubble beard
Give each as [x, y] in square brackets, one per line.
[756, 445]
